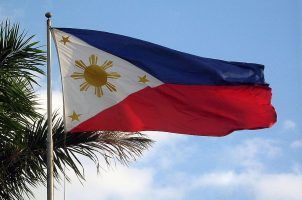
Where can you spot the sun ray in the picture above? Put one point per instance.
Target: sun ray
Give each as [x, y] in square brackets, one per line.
[77, 75]
[84, 86]
[80, 64]
[107, 64]
[95, 75]
[113, 75]
[98, 91]
[110, 87]
[93, 59]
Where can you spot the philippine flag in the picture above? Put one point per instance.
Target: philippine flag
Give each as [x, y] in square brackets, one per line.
[117, 83]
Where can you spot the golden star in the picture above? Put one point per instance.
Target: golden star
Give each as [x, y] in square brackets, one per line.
[65, 40]
[143, 79]
[75, 116]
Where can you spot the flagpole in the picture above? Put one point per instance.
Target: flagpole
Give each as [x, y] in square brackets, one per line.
[50, 184]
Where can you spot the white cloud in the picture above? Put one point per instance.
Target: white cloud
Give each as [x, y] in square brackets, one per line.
[297, 168]
[289, 125]
[253, 180]
[140, 183]
[125, 183]
[158, 176]
[251, 152]
[165, 151]
[133, 183]
[261, 186]
[57, 101]
[220, 179]
[122, 183]
[279, 187]
[296, 144]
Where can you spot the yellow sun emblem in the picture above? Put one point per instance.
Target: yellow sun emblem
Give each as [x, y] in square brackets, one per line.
[95, 75]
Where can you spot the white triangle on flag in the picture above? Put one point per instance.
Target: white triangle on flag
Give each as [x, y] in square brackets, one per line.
[80, 106]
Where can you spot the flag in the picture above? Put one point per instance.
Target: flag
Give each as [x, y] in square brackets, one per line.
[118, 83]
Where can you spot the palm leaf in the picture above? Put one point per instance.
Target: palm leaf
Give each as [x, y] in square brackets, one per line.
[19, 57]
[23, 160]
[20, 63]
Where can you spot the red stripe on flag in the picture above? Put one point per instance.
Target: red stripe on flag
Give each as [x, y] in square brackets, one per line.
[188, 109]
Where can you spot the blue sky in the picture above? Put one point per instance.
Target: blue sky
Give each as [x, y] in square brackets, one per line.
[262, 164]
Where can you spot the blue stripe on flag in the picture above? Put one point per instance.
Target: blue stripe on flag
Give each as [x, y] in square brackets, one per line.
[171, 66]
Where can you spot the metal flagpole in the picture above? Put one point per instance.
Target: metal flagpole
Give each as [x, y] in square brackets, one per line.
[50, 184]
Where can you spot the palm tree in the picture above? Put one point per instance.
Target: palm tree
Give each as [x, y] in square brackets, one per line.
[23, 131]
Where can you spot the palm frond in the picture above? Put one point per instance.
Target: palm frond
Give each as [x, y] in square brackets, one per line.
[19, 57]
[27, 153]
[20, 63]
[17, 104]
